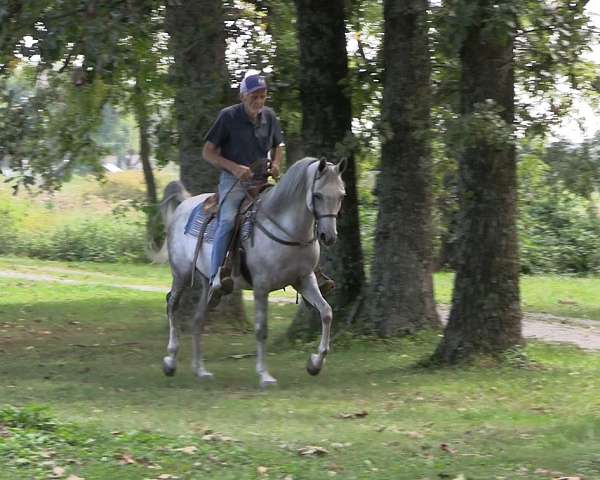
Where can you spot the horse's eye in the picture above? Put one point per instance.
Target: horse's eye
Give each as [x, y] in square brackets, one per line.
[318, 196]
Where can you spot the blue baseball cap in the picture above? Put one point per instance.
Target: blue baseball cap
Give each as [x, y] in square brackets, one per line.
[252, 83]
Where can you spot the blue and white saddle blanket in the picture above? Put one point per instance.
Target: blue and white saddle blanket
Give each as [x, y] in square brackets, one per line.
[199, 218]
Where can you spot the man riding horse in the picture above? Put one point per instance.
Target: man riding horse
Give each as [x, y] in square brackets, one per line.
[242, 135]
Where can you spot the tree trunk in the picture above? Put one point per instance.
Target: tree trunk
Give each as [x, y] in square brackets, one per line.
[200, 75]
[154, 228]
[401, 299]
[485, 316]
[326, 131]
[201, 82]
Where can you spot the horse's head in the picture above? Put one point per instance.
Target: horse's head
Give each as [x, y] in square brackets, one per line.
[324, 198]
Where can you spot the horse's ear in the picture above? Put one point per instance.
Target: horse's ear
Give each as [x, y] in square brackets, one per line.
[342, 165]
[322, 164]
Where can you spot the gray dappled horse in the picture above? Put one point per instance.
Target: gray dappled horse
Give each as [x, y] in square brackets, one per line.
[292, 217]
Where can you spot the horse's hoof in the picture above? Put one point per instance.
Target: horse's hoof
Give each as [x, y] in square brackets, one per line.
[169, 367]
[267, 381]
[205, 376]
[311, 368]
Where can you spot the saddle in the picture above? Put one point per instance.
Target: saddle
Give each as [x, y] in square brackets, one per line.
[235, 257]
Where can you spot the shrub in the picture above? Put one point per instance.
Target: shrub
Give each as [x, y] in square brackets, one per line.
[103, 239]
[559, 234]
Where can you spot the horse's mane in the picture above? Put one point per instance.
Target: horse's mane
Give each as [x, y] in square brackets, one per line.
[293, 184]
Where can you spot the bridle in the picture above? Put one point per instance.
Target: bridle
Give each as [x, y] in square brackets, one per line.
[317, 216]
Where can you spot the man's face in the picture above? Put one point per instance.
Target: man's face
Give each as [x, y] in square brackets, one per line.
[254, 102]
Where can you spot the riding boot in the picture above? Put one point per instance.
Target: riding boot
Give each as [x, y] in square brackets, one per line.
[326, 284]
[222, 284]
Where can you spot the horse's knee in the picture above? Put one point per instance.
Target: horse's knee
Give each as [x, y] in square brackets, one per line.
[261, 333]
[327, 316]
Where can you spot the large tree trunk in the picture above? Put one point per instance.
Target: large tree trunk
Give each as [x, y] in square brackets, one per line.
[401, 299]
[326, 131]
[201, 82]
[485, 315]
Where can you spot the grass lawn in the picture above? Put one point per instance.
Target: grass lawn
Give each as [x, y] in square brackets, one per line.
[557, 295]
[92, 355]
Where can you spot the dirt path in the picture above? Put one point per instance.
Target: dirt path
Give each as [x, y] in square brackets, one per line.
[539, 326]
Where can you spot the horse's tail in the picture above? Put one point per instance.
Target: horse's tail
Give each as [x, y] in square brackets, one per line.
[174, 194]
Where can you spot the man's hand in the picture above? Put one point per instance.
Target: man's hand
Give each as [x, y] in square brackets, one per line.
[273, 170]
[243, 173]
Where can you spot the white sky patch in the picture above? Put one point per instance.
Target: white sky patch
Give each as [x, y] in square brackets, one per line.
[584, 120]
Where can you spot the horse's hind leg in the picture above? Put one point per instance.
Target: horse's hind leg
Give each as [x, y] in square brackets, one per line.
[309, 289]
[173, 297]
[197, 324]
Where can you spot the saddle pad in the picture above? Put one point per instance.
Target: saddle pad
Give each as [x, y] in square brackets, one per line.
[196, 221]
[198, 218]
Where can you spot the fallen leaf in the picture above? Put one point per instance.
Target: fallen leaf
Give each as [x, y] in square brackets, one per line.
[4, 432]
[74, 477]
[345, 416]
[567, 478]
[312, 450]
[58, 472]
[189, 450]
[567, 301]
[261, 470]
[166, 476]
[126, 459]
[217, 437]
[446, 448]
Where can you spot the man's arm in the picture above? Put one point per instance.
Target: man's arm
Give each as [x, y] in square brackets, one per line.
[212, 154]
[276, 158]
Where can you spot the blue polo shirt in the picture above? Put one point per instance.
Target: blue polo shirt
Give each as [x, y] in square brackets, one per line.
[241, 140]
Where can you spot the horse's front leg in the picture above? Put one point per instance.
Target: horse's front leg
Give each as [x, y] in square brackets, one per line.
[261, 302]
[309, 289]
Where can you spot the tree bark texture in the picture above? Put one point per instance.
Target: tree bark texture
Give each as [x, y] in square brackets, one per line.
[485, 316]
[201, 83]
[326, 131]
[401, 299]
[202, 89]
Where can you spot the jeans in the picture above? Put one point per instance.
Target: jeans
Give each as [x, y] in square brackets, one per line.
[231, 195]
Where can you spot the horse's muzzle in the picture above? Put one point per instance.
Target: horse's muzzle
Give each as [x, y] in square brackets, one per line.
[327, 240]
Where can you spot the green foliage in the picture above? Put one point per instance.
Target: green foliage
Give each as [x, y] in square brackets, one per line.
[107, 239]
[559, 230]
[575, 166]
[103, 226]
[30, 417]
[44, 139]
[483, 127]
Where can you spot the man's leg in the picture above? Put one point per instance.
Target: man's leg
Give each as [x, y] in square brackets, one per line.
[326, 283]
[228, 208]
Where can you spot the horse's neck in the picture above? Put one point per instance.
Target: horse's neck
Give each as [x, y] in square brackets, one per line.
[294, 218]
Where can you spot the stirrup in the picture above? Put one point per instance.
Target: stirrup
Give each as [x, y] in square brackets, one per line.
[221, 285]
